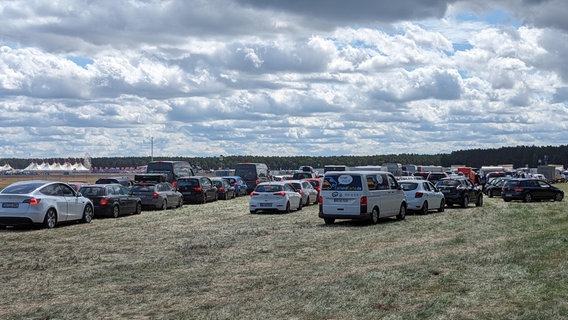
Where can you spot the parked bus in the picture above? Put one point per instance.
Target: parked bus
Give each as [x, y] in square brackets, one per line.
[172, 169]
[252, 173]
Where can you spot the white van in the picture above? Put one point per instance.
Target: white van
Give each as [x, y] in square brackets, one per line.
[363, 195]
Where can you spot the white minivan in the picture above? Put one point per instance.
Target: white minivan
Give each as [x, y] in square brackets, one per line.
[362, 195]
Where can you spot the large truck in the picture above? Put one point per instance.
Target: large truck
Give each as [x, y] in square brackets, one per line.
[552, 173]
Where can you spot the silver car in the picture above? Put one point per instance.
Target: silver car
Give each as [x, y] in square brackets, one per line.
[42, 202]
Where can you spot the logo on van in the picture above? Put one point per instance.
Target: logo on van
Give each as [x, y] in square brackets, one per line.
[334, 194]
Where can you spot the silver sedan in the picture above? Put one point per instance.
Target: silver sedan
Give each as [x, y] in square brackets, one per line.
[42, 202]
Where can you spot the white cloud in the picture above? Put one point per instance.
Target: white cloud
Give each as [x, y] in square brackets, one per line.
[279, 77]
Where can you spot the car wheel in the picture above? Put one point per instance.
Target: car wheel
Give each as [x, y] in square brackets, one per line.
[375, 215]
[442, 205]
[424, 209]
[328, 220]
[490, 193]
[115, 211]
[316, 201]
[287, 210]
[300, 206]
[465, 202]
[204, 199]
[401, 213]
[87, 214]
[479, 201]
[138, 208]
[164, 205]
[252, 212]
[50, 219]
[559, 196]
[527, 197]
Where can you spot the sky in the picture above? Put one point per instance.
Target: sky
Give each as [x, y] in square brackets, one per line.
[201, 78]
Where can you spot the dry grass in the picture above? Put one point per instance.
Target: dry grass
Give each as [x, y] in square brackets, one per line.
[217, 261]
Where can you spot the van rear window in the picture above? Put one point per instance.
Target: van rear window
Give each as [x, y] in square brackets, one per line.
[342, 182]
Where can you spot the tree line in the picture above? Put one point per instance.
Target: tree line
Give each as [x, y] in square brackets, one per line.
[519, 156]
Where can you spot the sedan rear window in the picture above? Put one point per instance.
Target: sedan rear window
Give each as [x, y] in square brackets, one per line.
[268, 188]
[22, 188]
[408, 186]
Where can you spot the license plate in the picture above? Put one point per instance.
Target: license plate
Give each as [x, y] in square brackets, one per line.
[10, 205]
[445, 191]
[340, 200]
[266, 204]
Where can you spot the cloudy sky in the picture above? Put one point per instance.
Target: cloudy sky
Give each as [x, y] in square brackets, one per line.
[271, 77]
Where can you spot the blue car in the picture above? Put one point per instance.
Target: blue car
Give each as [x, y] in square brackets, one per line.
[238, 183]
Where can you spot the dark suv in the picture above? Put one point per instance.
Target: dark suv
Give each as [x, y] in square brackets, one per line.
[460, 191]
[197, 189]
[529, 190]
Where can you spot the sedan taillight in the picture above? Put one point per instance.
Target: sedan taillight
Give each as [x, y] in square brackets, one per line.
[418, 195]
[32, 201]
[155, 195]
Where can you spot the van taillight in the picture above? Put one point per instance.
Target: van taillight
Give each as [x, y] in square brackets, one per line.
[363, 205]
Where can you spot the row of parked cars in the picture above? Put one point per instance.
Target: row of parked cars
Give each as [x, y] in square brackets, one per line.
[371, 195]
[48, 203]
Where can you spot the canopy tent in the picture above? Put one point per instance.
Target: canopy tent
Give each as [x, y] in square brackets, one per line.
[6, 167]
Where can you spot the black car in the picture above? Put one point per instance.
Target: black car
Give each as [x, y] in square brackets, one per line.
[111, 200]
[460, 191]
[528, 190]
[197, 189]
[493, 188]
[225, 190]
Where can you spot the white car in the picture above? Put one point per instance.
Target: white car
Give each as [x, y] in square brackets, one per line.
[275, 195]
[307, 190]
[42, 202]
[422, 196]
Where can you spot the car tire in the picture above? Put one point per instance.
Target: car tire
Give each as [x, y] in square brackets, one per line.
[287, 210]
[465, 202]
[442, 206]
[252, 211]
[164, 205]
[401, 212]
[316, 201]
[50, 219]
[87, 214]
[115, 211]
[479, 202]
[138, 208]
[527, 197]
[559, 196]
[300, 206]
[180, 202]
[490, 193]
[424, 209]
[204, 199]
[328, 220]
[375, 215]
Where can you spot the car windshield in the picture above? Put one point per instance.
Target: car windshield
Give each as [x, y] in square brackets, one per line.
[268, 188]
[143, 188]
[91, 191]
[188, 183]
[408, 186]
[448, 183]
[342, 182]
[22, 188]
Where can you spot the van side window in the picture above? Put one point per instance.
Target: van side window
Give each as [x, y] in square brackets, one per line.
[392, 182]
[383, 182]
[372, 183]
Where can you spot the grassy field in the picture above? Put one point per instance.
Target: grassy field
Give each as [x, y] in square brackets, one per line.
[217, 261]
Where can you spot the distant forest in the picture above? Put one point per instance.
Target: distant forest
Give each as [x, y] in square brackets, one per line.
[520, 156]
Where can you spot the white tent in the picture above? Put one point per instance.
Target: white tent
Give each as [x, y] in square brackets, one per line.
[6, 167]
